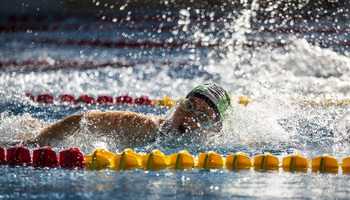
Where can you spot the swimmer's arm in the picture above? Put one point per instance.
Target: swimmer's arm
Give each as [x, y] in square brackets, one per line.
[57, 131]
[131, 125]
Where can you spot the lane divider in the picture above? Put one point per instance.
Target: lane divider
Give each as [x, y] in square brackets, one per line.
[143, 44]
[135, 17]
[103, 100]
[45, 27]
[47, 98]
[45, 21]
[148, 44]
[102, 159]
[60, 64]
[11, 28]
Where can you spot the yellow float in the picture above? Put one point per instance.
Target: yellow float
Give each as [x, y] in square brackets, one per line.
[295, 163]
[210, 160]
[165, 101]
[181, 160]
[346, 165]
[155, 160]
[325, 163]
[99, 160]
[266, 162]
[238, 161]
[127, 160]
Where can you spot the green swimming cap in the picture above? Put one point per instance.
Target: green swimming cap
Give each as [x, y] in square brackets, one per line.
[215, 96]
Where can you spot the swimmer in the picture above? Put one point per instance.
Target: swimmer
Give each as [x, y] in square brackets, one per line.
[202, 109]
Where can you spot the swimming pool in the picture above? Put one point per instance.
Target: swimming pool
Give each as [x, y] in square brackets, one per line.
[287, 67]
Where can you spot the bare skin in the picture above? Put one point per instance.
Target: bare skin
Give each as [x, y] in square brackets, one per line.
[133, 126]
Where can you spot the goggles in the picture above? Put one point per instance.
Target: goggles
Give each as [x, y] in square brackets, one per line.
[202, 118]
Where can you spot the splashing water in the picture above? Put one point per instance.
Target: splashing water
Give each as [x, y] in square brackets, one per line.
[20, 127]
[283, 55]
[253, 54]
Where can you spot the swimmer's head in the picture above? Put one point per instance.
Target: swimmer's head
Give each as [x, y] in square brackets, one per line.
[203, 108]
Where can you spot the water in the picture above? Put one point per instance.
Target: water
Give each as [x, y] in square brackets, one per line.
[277, 58]
[139, 184]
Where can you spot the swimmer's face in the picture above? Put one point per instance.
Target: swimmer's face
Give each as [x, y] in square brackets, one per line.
[193, 115]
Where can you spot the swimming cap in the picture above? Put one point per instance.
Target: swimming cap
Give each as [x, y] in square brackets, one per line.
[215, 96]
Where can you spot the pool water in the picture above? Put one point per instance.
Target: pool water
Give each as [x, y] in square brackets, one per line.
[190, 184]
[281, 64]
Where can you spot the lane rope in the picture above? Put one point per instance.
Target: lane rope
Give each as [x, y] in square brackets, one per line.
[14, 27]
[44, 64]
[147, 44]
[102, 159]
[47, 98]
[15, 22]
[159, 44]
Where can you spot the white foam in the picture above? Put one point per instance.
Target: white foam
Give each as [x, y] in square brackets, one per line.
[20, 127]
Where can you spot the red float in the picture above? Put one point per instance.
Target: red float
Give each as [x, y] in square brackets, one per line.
[86, 99]
[31, 97]
[66, 98]
[104, 99]
[124, 99]
[143, 100]
[44, 98]
[2, 156]
[72, 158]
[45, 157]
[18, 156]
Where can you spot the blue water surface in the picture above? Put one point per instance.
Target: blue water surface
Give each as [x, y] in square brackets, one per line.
[271, 61]
[28, 183]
